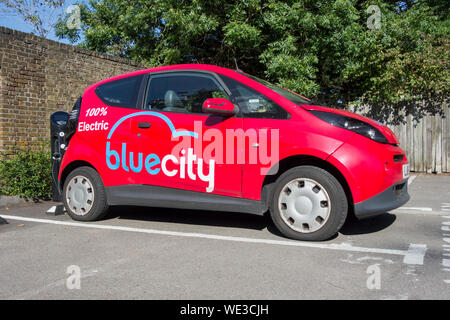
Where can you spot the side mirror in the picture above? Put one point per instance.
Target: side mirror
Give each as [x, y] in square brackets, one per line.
[219, 106]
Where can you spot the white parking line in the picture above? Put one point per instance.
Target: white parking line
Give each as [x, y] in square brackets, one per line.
[416, 209]
[414, 255]
[411, 179]
[424, 211]
[445, 238]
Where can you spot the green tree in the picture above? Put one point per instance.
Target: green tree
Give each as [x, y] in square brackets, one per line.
[328, 50]
[41, 15]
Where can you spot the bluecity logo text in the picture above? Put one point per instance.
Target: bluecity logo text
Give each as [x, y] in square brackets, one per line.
[197, 149]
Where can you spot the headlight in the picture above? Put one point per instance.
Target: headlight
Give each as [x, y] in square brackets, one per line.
[352, 124]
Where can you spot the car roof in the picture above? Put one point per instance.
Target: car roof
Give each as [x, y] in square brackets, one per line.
[234, 74]
[203, 67]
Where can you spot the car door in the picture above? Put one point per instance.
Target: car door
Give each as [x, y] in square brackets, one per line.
[181, 146]
[264, 123]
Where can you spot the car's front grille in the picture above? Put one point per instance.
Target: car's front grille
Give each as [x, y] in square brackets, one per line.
[399, 157]
[399, 189]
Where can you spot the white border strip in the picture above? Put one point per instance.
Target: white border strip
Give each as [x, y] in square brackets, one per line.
[414, 255]
[411, 179]
[416, 209]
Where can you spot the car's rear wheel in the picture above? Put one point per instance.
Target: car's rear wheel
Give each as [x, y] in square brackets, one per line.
[84, 195]
[308, 203]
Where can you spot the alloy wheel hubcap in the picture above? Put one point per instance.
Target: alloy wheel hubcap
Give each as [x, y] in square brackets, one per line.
[304, 205]
[80, 195]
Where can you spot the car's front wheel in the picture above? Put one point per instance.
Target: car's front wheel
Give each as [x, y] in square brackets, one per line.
[84, 195]
[308, 203]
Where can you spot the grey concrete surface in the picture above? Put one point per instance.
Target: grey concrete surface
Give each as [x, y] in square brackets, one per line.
[153, 253]
[6, 201]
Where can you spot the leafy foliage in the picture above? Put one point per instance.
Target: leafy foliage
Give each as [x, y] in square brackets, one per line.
[26, 173]
[41, 15]
[322, 49]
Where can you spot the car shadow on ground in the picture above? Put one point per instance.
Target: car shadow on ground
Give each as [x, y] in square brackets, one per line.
[190, 217]
[352, 225]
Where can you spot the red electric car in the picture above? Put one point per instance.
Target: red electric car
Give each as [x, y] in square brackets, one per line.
[209, 138]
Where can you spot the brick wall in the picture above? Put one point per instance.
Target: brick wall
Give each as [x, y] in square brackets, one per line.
[40, 76]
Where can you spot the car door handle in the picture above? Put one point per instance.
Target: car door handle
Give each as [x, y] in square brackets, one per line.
[144, 125]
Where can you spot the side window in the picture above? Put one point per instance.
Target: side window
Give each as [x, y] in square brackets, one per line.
[182, 92]
[252, 103]
[120, 93]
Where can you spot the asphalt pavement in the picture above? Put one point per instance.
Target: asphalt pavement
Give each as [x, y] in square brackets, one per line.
[156, 253]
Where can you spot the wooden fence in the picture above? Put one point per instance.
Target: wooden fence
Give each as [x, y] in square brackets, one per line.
[427, 143]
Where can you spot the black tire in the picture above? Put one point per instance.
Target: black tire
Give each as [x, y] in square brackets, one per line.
[339, 203]
[99, 204]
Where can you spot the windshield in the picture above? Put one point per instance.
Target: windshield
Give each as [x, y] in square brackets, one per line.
[292, 96]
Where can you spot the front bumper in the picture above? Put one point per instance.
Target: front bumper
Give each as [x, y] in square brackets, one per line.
[393, 197]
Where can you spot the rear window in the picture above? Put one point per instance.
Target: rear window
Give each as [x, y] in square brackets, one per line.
[120, 93]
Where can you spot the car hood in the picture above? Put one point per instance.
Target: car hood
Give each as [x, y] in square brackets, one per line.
[390, 136]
